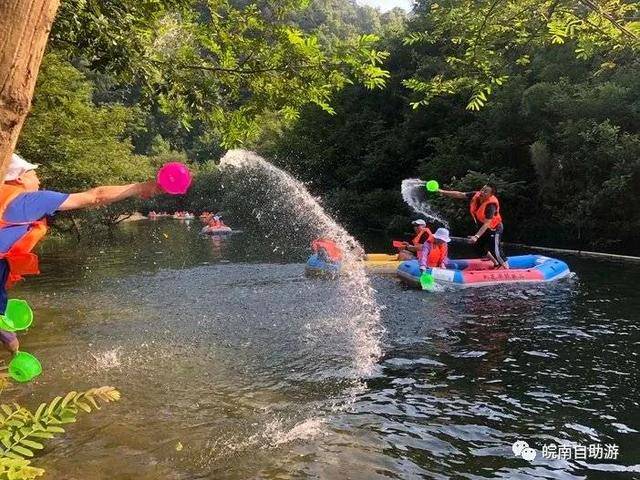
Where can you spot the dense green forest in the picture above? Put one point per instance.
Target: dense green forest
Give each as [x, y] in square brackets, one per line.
[541, 97]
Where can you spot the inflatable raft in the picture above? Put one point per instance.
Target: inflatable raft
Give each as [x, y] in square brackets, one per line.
[317, 265]
[478, 272]
[216, 231]
[381, 262]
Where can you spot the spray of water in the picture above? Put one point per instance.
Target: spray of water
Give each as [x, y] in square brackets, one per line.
[360, 315]
[414, 194]
[107, 359]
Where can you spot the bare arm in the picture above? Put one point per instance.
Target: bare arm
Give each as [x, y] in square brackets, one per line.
[99, 196]
[453, 194]
[483, 228]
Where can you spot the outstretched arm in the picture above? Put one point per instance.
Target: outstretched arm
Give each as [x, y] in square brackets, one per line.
[483, 229]
[453, 194]
[99, 196]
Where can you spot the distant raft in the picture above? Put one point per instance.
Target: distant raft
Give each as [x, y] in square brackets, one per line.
[479, 272]
[216, 230]
[318, 265]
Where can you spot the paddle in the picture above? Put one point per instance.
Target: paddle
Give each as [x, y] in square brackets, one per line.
[398, 244]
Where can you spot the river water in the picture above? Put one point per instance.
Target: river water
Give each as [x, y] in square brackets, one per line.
[233, 365]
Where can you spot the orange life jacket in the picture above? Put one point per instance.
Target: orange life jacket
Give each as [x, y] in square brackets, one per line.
[333, 251]
[417, 240]
[19, 257]
[478, 210]
[437, 254]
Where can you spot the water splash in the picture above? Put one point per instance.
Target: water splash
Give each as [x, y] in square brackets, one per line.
[415, 195]
[107, 359]
[274, 434]
[277, 434]
[359, 316]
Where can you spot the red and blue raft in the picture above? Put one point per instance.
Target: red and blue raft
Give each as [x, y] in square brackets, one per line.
[479, 272]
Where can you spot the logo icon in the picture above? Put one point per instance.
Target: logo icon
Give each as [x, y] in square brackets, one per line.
[521, 449]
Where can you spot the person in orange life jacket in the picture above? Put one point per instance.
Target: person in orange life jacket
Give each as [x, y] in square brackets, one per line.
[412, 250]
[327, 250]
[214, 222]
[485, 211]
[23, 209]
[434, 250]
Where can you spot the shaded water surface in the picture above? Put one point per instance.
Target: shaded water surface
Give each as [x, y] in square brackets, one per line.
[233, 365]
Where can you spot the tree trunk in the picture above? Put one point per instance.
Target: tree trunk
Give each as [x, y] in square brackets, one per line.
[24, 30]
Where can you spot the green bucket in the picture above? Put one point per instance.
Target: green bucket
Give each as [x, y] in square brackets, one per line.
[432, 186]
[17, 316]
[24, 367]
[427, 281]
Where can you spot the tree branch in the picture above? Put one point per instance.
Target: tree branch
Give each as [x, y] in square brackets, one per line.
[483, 25]
[595, 7]
[247, 71]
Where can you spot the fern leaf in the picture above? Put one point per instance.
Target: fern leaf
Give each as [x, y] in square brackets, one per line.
[25, 452]
[54, 429]
[32, 444]
[42, 435]
[39, 411]
[53, 405]
[70, 396]
[10, 454]
[83, 406]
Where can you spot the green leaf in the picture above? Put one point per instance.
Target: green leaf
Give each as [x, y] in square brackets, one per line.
[6, 441]
[54, 429]
[39, 411]
[41, 435]
[32, 444]
[83, 406]
[52, 405]
[25, 452]
[13, 455]
[70, 396]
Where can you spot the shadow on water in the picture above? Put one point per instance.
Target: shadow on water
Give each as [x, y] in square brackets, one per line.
[222, 346]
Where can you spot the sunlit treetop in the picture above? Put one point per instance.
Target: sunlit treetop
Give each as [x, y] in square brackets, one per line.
[484, 41]
[218, 62]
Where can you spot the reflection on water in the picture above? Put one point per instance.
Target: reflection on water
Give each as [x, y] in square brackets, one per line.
[221, 351]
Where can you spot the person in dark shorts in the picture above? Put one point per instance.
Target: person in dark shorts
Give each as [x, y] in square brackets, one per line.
[485, 211]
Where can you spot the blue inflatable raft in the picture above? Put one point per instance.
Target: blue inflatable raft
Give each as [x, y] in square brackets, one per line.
[479, 272]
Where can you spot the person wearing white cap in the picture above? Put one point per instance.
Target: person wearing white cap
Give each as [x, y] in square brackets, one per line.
[435, 250]
[23, 211]
[412, 250]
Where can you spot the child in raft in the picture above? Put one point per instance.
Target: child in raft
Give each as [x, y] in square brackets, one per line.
[23, 211]
[434, 251]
